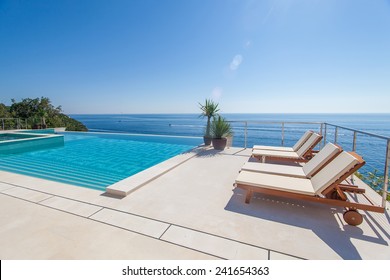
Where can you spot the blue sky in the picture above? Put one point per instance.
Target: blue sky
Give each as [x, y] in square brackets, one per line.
[154, 56]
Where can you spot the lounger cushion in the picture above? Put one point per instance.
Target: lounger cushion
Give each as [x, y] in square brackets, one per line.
[308, 144]
[292, 155]
[278, 169]
[318, 161]
[275, 182]
[339, 166]
[272, 148]
[303, 140]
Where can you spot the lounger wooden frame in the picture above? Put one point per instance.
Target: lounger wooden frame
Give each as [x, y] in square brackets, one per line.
[334, 195]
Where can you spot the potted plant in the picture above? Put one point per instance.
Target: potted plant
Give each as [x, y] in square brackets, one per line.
[209, 110]
[220, 130]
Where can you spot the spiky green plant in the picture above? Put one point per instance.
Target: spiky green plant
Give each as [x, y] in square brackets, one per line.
[209, 110]
[220, 128]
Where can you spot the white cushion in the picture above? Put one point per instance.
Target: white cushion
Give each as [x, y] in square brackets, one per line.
[277, 169]
[302, 140]
[305, 147]
[292, 155]
[318, 161]
[333, 171]
[273, 148]
[275, 182]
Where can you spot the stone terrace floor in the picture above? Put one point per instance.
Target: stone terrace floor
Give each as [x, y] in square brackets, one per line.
[190, 212]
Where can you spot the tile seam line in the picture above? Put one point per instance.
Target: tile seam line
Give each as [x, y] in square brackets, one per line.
[169, 226]
[43, 205]
[94, 213]
[112, 225]
[149, 236]
[24, 199]
[156, 220]
[233, 240]
[170, 242]
[11, 187]
[54, 195]
[39, 202]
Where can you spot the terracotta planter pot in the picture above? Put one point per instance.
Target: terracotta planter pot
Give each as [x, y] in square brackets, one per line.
[219, 144]
[207, 140]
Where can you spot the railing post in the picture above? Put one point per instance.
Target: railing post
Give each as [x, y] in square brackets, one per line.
[386, 175]
[326, 131]
[282, 134]
[354, 142]
[336, 132]
[321, 132]
[246, 134]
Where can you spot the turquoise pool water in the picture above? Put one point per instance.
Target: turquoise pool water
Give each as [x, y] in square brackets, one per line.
[14, 136]
[96, 160]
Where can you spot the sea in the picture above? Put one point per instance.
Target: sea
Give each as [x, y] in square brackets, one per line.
[262, 129]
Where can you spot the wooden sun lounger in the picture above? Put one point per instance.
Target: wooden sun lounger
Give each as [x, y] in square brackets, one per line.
[324, 187]
[303, 154]
[325, 155]
[294, 148]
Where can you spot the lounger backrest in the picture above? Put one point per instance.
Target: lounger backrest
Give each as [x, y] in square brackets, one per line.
[309, 144]
[333, 171]
[319, 160]
[302, 140]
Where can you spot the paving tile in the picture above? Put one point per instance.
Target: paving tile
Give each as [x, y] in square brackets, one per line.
[214, 245]
[132, 183]
[27, 194]
[5, 186]
[131, 222]
[29, 231]
[71, 206]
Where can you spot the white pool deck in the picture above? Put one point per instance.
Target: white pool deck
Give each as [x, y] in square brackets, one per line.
[190, 211]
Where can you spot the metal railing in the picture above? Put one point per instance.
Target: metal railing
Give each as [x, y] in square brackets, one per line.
[323, 128]
[282, 127]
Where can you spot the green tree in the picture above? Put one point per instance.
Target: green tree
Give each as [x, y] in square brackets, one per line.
[40, 113]
[4, 111]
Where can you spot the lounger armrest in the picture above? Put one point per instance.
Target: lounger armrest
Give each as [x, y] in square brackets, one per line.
[351, 189]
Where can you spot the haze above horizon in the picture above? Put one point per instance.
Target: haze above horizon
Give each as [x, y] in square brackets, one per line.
[151, 56]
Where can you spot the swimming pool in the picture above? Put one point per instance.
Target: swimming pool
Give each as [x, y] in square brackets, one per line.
[12, 136]
[97, 160]
[17, 142]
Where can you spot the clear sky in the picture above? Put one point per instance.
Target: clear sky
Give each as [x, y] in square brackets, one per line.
[165, 56]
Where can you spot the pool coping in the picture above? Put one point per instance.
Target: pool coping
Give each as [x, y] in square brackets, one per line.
[136, 181]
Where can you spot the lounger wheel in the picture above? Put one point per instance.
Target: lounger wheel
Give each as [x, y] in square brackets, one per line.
[353, 217]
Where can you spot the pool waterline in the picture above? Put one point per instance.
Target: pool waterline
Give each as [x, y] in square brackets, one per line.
[98, 160]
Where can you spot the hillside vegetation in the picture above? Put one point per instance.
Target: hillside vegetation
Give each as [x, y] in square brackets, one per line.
[37, 113]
